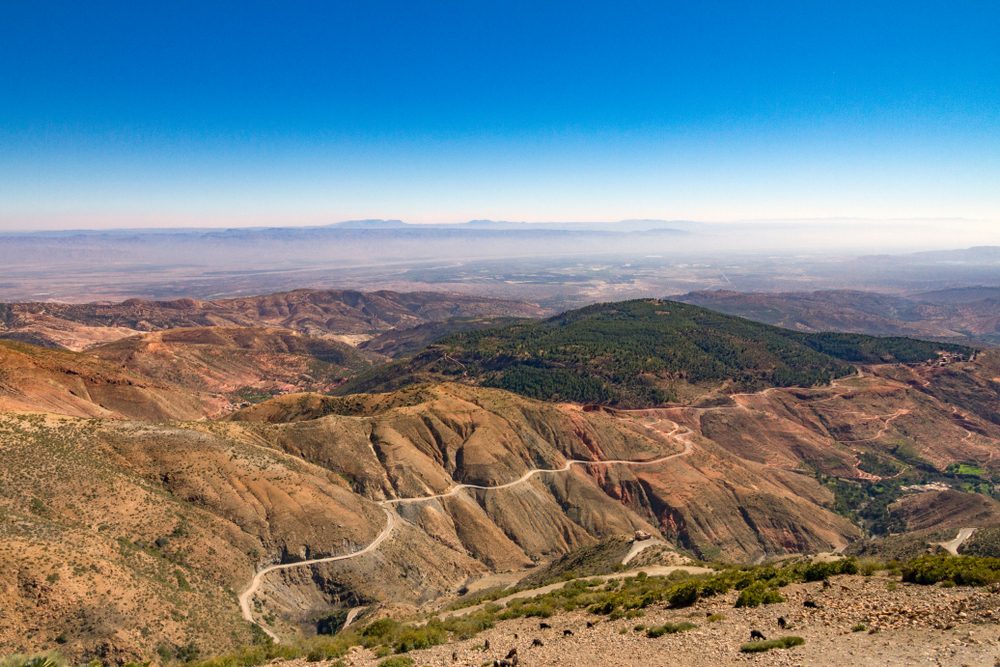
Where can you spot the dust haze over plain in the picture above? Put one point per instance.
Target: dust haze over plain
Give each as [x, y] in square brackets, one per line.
[582, 261]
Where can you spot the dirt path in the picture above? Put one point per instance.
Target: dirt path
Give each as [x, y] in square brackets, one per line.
[543, 471]
[887, 423]
[639, 547]
[246, 596]
[951, 546]
[351, 615]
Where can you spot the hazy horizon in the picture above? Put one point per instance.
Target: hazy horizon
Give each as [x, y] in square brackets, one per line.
[235, 114]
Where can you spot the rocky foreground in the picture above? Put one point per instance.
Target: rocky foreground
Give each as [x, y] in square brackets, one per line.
[856, 621]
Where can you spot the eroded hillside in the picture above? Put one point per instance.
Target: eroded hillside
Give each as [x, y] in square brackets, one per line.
[133, 499]
[323, 313]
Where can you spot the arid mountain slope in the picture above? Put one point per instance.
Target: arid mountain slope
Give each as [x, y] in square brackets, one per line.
[139, 530]
[36, 379]
[975, 318]
[252, 361]
[122, 538]
[314, 312]
[226, 498]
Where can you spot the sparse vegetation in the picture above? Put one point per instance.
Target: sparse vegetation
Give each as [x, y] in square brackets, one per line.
[758, 593]
[39, 660]
[957, 570]
[397, 661]
[771, 644]
[669, 629]
[984, 542]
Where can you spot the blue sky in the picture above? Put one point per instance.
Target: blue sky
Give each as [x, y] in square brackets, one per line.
[246, 113]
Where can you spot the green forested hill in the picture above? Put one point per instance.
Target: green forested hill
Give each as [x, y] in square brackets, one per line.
[637, 353]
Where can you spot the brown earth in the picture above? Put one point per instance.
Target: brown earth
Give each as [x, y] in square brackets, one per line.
[977, 319]
[313, 312]
[138, 529]
[903, 625]
[226, 360]
[34, 379]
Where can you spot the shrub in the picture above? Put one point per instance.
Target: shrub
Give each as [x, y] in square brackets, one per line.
[768, 644]
[329, 648]
[669, 629]
[859, 627]
[824, 570]
[380, 629]
[758, 593]
[245, 657]
[957, 570]
[715, 618]
[684, 595]
[415, 638]
[397, 661]
[868, 567]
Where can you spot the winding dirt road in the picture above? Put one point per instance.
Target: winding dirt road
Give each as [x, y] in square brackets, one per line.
[951, 546]
[246, 596]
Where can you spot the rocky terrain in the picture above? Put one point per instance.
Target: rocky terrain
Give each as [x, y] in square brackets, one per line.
[859, 621]
[138, 501]
[958, 315]
[353, 316]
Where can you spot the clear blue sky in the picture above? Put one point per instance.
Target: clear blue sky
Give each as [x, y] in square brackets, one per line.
[231, 113]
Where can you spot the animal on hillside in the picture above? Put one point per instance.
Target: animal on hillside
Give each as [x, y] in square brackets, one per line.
[567, 633]
[502, 663]
[536, 642]
[590, 624]
[544, 626]
[486, 645]
[454, 656]
[826, 583]
[757, 635]
[811, 604]
[782, 623]
[511, 653]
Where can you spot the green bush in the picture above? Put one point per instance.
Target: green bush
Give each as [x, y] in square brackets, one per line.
[380, 629]
[323, 648]
[397, 661]
[768, 644]
[957, 570]
[758, 593]
[415, 638]
[684, 595]
[250, 656]
[669, 629]
[820, 571]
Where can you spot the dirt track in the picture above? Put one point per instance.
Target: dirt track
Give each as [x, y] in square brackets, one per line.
[246, 596]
